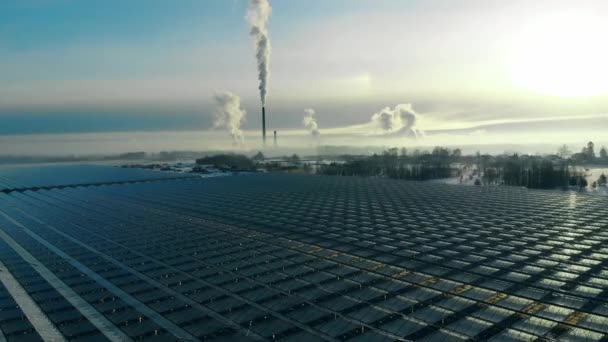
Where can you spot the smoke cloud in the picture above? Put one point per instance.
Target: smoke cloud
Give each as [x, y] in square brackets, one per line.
[400, 120]
[230, 115]
[310, 122]
[257, 16]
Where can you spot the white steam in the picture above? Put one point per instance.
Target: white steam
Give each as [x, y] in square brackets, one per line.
[257, 16]
[310, 122]
[230, 115]
[400, 121]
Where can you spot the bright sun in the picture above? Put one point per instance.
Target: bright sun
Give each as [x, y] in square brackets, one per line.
[563, 55]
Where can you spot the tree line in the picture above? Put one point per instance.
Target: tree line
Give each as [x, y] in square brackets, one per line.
[399, 164]
[587, 154]
[537, 172]
[531, 171]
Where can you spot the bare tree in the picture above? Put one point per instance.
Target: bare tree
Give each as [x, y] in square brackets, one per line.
[564, 152]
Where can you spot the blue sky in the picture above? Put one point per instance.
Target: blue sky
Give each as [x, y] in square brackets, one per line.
[58, 27]
[155, 28]
[47, 44]
[84, 65]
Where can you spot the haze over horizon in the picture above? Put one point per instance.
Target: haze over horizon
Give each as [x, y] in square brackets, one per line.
[485, 72]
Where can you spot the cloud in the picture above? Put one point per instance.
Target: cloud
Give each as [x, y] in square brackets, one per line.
[399, 121]
[310, 122]
[230, 115]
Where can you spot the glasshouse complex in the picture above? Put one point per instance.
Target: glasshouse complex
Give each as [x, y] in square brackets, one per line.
[101, 253]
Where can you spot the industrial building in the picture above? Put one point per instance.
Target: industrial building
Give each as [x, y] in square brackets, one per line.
[301, 258]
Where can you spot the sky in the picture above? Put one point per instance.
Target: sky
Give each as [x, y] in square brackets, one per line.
[473, 71]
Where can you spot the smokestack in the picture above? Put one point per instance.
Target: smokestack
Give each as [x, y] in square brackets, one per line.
[275, 139]
[257, 17]
[264, 124]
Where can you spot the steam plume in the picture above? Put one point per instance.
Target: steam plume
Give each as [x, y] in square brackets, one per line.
[230, 115]
[310, 122]
[401, 120]
[257, 16]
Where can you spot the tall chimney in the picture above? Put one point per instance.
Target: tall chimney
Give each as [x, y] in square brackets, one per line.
[264, 124]
[275, 139]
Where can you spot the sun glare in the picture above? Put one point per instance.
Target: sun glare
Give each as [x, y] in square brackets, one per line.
[562, 55]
